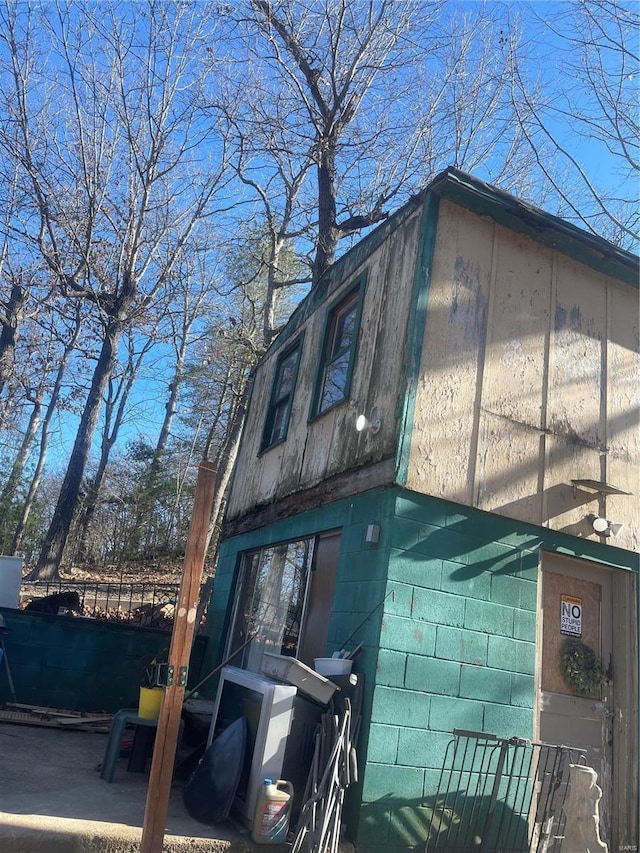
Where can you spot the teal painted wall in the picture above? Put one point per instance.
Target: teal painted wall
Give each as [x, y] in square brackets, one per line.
[361, 585]
[360, 581]
[452, 646]
[80, 664]
[457, 650]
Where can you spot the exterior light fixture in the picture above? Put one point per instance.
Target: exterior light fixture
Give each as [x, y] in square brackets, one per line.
[364, 424]
[604, 527]
[372, 535]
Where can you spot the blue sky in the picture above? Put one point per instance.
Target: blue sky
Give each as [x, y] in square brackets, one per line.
[552, 66]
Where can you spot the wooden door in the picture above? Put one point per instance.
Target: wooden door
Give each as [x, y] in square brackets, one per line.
[576, 604]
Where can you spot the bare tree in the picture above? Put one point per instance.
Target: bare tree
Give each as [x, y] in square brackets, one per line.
[116, 129]
[192, 298]
[119, 388]
[356, 105]
[115, 188]
[61, 350]
[590, 117]
[335, 130]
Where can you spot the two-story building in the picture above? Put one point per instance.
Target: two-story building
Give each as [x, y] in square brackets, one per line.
[493, 352]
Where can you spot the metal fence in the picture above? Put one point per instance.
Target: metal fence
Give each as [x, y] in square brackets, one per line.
[147, 605]
[500, 795]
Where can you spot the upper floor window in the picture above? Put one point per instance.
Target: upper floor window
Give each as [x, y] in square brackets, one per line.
[338, 354]
[277, 420]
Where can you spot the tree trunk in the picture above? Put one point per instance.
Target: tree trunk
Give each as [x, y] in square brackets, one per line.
[11, 486]
[113, 419]
[48, 565]
[224, 462]
[9, 325]
[29, 501]
[328, 234]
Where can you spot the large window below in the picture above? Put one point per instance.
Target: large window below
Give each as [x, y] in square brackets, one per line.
[284, 598]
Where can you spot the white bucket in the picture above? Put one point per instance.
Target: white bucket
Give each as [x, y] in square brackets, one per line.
[332, 666]
[10, 581]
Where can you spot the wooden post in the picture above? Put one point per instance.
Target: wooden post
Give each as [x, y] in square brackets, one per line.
[164, 751]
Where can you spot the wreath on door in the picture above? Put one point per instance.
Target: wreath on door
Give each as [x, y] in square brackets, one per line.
[581, 668]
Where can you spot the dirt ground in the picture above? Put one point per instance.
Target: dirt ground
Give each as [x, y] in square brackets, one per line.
[155, 571]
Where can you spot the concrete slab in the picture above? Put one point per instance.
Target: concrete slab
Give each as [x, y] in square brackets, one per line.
[53, 799]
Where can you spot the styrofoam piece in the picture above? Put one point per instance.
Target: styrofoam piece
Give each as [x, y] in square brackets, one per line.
[292, 671]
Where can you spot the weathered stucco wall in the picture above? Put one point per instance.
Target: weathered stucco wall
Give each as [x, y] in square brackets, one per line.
[329, 444]
[528, 379]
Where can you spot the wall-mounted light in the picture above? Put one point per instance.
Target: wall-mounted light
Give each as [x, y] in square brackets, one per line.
[604, 527]
[372, 535]
[364, 424]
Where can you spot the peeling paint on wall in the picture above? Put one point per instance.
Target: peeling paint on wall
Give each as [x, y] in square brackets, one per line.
[519, 393]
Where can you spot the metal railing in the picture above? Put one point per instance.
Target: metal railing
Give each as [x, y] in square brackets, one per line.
[149, 605]
[500, 795]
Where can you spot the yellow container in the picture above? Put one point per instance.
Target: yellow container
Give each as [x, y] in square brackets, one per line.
[273, 810]
[150, 701]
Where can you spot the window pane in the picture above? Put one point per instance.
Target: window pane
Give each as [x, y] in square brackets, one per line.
[339, 353]
[286, 376]
[273, 595]
[345, 327]
[277, 419]
[279, 428]
[335, 380]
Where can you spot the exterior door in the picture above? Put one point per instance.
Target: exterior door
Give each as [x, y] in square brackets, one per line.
[576, 603]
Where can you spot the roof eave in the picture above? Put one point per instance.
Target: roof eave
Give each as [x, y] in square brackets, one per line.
[552, 231]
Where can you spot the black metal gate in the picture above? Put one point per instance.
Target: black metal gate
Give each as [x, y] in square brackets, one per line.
[500, 795]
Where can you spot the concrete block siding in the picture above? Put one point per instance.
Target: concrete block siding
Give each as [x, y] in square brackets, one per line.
[456, 650]
[452, 644]
[452, 655]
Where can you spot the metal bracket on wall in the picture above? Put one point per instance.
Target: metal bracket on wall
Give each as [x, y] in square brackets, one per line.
[597, 486]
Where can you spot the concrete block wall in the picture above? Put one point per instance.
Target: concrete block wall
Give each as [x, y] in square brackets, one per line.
[451, 646]
[456, 650]
[360, 580]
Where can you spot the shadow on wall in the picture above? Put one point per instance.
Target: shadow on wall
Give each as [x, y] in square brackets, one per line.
[440, 824]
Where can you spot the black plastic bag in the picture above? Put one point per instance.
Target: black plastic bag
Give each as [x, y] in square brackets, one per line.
[209, 792]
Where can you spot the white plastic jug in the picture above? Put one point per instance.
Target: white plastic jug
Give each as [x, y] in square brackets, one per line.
[273, 810]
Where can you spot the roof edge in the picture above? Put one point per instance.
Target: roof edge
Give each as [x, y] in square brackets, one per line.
[553, 231]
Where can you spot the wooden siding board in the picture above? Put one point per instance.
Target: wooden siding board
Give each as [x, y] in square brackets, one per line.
[329, 444]
[514, 371]
[623, 379]
[552, 392]
[445, 421]
[565, 460]
[508, 468]
[513, 378]
[576, 403]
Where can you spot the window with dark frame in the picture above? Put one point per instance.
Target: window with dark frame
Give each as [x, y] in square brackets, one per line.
[270, 601]
[279, 411]
[339, 351]
[283, 600]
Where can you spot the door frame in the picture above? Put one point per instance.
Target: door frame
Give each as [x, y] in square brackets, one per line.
[624, 649]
